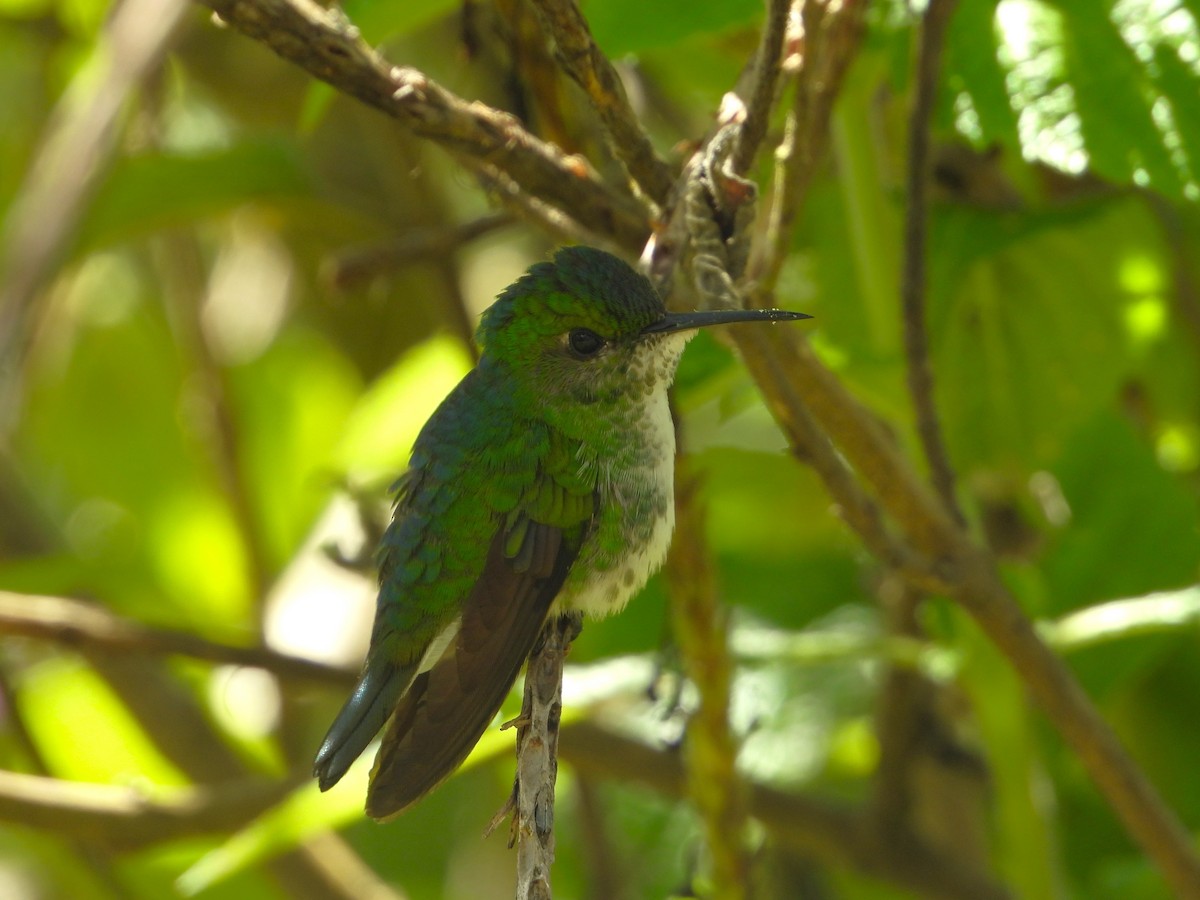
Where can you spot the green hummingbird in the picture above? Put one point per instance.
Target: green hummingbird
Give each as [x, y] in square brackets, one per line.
[543, 484]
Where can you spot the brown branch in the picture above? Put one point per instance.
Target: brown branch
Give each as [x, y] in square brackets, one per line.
[324, 43]
[828, 831]
[86, 626]
[700, 625]
[580, 58]
[354, 266]
[767, 64]
[797, 386]
[537, 758]
[549, 218]
[830, 42]
[970, 575]
[913, 287]
[124, 819]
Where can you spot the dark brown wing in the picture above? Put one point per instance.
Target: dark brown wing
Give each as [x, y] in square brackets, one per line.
[448, 707]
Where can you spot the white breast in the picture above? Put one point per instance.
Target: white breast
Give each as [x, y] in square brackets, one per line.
[638, 503]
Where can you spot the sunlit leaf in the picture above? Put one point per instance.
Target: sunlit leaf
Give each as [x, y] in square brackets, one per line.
[384, 424]
[622, 26]
[159, 190]
[84, 731]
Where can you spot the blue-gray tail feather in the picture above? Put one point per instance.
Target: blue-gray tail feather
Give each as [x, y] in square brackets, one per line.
[375, 696]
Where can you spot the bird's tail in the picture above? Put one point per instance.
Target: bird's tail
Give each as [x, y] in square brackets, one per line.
[375, 696]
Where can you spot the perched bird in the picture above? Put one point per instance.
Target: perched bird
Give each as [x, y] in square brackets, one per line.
[542, 484]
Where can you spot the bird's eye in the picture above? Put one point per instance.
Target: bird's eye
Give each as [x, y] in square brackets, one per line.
[583, 342]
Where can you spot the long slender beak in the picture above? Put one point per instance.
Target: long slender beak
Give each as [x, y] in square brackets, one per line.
[673, 322]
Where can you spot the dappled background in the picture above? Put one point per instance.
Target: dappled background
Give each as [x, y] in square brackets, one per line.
[231, 297]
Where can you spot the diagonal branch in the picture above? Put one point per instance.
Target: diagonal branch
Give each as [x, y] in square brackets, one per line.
[92, 628]
[589, 67]
[325, 44]
[125, 819]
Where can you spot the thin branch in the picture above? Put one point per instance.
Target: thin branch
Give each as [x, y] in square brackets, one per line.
[798, 385]
[828, 831]
[356, 265]
[807, 387]
[830, 39]
[767, 64]
[537, 757]
[181, 272]
[700, 626]
[589, 67]
[85, 626]
[813, 446]
[913, 288]
[549, 218]
[125, 819]
[324, 43]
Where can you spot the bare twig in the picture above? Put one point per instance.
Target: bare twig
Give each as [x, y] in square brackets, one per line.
[537, 757]
[91, 628]
[182, 275]
[820, 828]
[767, 63]
[325, 44]
[912, 289]
[549, 218]
[830, 39]
[589, 67]
[700, 626]
[354, 266]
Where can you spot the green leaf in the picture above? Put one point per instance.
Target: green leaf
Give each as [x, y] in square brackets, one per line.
[160, 190]
[1112, 96]
[379, 20]
[68, 707]
[291, 406]
[971, 58]
[1135, 536]
[627, 26]
[386, 420]
[1180, 84]
[1021, 316]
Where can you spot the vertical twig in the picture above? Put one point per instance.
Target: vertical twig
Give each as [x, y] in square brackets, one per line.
[912, 290]
[700, 625]
[829, 38]
[537, 757]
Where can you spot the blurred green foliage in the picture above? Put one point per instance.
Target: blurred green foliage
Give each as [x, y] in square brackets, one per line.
[200, 384]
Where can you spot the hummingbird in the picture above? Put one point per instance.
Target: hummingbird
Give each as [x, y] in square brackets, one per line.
[542, 485]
